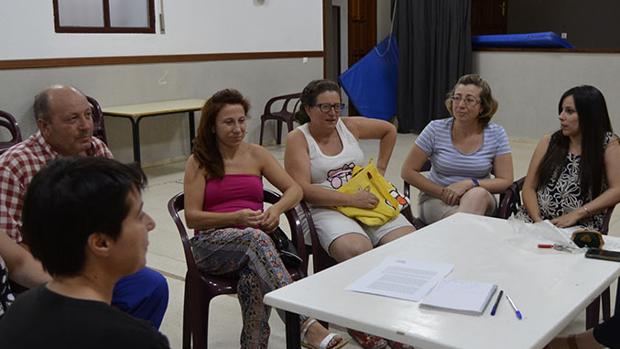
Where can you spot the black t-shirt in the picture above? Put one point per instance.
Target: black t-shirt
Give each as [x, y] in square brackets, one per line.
[40, 318]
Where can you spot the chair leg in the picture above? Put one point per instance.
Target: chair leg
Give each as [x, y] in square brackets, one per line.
[606, 300]
[199, 313]
[290, 125]
[592, 313]
[279, 137]
[262, 126]
[200, 324]
[617, 306]
[186, 319]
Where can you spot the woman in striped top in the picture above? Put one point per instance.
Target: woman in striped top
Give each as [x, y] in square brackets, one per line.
[463, 151]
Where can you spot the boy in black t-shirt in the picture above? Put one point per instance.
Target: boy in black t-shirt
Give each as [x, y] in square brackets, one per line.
[83, 220]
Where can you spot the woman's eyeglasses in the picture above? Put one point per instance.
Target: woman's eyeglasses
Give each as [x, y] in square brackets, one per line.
[469, 101]
[326, 107]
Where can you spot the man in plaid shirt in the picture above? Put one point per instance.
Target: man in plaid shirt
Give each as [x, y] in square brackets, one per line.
[64, 119]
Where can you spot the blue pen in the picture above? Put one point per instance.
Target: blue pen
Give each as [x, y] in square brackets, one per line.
[517, 311]
[499, 298]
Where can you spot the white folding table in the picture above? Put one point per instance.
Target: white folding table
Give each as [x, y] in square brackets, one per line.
[550, 287]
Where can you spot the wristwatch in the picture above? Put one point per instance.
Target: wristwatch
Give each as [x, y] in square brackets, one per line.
[476, 182]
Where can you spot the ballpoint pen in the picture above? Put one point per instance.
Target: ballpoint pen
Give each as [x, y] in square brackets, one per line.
[499, 298]
[517, 311]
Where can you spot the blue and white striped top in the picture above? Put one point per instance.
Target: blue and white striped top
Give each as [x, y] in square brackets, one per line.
[450, 165]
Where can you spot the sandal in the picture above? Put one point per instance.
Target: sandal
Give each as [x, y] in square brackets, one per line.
[368, 341]
[399, 345]
[327, 340]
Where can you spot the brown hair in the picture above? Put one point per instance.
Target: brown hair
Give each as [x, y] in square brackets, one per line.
[205, 148]
[309, 95]
[487, 102]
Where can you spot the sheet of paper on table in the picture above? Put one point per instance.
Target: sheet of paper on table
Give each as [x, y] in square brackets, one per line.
[402, 278]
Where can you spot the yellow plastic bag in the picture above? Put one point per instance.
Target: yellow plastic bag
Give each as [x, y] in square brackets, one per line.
[369, 179]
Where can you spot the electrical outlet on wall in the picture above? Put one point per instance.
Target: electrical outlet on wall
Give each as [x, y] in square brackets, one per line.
[163, 80]
[564, 35]
[304, 60]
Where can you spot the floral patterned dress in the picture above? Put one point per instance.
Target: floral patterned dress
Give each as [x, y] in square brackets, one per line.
[6, 296]
[562, 194]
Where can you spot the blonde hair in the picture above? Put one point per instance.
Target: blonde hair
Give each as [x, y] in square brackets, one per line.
[488, 104]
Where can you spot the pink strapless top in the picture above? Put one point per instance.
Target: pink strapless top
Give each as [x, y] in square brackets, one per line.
[233, 192]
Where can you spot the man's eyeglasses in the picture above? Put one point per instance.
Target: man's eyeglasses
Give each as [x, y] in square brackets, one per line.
[469, 101]
[326, 107]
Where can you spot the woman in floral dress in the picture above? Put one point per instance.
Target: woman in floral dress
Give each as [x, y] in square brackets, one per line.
[574, 174]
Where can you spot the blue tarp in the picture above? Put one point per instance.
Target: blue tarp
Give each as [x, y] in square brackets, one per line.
[544, 39]
[372, 82]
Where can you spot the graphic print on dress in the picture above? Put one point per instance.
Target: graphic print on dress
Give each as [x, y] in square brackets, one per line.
[339, 176]
[402, 200]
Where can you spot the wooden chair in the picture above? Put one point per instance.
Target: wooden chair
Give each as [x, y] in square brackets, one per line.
[201, 288]
[283, 115]
[8, 122]
[99, 126]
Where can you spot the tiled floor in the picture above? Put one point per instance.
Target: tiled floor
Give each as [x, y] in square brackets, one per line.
[166, 254]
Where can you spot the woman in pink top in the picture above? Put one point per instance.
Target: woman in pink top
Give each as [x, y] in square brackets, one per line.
[223, 202]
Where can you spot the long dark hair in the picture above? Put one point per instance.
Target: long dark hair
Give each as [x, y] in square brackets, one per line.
[309, 94]
[205, 148]
[594, 124]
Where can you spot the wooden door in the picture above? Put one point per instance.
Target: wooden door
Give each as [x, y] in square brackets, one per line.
[488, 16]
[362, 28]
[332, 58]
[362, 25]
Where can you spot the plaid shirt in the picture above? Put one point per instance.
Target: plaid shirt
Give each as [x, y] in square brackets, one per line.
[17, 167]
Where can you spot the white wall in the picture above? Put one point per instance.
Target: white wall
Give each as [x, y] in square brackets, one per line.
[192, 27]
[384, 19]
[162, 137]
[528, 86]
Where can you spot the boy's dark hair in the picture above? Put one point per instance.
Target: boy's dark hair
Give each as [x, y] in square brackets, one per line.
[70, 199]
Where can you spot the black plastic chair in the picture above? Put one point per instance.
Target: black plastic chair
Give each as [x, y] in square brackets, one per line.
[510, 201]
[502, 210]
[8, 122]
[283, 115]
[321, 260]
[99, 126]
[201, 288]
[416, 221]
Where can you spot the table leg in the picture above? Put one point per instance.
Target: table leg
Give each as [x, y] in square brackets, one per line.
[292, 331]
[617, 307]
[192, 130]
[135, 131]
